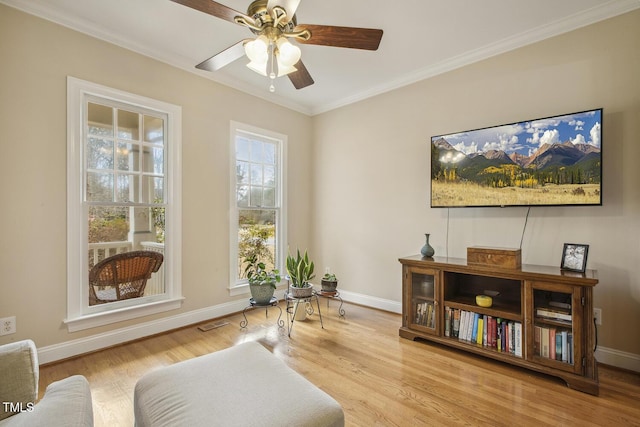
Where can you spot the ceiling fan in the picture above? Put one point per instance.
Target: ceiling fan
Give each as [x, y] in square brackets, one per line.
[274, 23]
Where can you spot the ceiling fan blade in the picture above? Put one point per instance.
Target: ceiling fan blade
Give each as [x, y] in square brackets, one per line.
[213, 8]
[289, 5]
[301, 78]
[223, 58]
[349, 37]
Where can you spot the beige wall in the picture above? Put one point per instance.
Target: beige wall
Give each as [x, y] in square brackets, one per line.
[358, 176]
[372, 170]
[37, 57]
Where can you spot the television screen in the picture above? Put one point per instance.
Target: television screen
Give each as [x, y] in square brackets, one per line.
[551, 161]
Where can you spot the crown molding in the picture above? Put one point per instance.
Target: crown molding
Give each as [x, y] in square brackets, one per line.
[606, 10]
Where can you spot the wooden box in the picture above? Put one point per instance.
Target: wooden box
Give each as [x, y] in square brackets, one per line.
[494, 257]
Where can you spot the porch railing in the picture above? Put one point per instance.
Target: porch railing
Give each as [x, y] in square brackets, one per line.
[155, 285]
[100, 251]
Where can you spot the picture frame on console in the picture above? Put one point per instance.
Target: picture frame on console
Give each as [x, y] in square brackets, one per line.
[574, 257]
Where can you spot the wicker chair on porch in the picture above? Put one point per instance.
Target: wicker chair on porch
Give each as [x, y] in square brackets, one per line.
[122, 276]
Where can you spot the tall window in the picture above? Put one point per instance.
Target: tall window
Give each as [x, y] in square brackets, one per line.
[257, 203]
[123, 171]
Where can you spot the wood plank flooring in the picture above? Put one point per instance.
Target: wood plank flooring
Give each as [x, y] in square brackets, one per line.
[379, 378]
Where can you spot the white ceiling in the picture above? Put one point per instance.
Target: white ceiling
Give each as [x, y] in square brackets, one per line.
[421, 38]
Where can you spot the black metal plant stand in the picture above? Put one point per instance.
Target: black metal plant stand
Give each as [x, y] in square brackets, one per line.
[273, 302]
[293, 304]
[333, 294]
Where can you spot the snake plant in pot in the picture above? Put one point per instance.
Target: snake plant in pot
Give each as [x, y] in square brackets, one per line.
[300, 270]
[262, 283]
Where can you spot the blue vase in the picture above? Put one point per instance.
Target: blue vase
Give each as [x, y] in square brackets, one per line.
[427, 251]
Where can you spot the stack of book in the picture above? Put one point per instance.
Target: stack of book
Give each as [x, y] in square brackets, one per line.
[425, 314]
[556, 314]
[552, 343]
[504, 335]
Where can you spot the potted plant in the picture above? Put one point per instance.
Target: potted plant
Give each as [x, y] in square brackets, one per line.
[329, 283]
[300, 270]
[262, 283]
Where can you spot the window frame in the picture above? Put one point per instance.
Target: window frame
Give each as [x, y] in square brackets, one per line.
[80, 315]
[241, 287]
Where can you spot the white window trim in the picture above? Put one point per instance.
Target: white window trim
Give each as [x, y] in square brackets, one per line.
[77, 270]
[235, 127]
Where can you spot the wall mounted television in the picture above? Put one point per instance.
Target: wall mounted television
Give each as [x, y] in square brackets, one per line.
[552, 161]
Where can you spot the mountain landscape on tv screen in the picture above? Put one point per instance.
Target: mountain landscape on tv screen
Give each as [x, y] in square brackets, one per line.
[523, 164]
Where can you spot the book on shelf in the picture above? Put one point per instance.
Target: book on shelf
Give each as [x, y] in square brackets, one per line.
[554, 313]
[544, 342]
[559, 346]
[552, 343]
[504, 335]
[456, 323]
[488, 331]
[512, 337]
[485, 331]
[474, 328]
[570, 348]
[471, 319]
[464, 322]
[425, 314]
[469, 325]
[508, 343]
[491, 333]
[447, 322]
[518, 339]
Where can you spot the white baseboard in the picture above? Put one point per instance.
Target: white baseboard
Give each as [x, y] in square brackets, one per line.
[373, 302]
[79, 346]
[619, 359]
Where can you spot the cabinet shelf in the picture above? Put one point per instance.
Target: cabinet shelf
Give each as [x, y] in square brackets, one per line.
[447, 287]
[550, 322]
[480, 347]
[497, 309]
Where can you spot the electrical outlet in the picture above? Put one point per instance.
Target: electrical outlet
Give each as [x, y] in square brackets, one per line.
[597, 314]
[8, 325]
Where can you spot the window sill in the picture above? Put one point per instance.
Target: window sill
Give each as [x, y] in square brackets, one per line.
[107, 317]
[242, 289]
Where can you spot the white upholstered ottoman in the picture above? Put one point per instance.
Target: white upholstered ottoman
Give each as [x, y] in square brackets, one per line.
[244, 385]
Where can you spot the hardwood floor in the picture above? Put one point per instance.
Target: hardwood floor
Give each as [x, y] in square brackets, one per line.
[378, 378]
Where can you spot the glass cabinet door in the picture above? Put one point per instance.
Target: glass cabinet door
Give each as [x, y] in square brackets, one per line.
[556, 339]
[424, 310]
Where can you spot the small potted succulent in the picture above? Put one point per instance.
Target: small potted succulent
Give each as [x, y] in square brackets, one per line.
[300, 270]
[329, 283]
[262, 283]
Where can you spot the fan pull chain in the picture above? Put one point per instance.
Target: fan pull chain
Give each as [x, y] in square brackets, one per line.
[272, 75]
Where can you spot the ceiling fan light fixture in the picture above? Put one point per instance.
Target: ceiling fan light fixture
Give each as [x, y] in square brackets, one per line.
[257, 50]
[288, 53]
[258, 67]
[274, 21]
